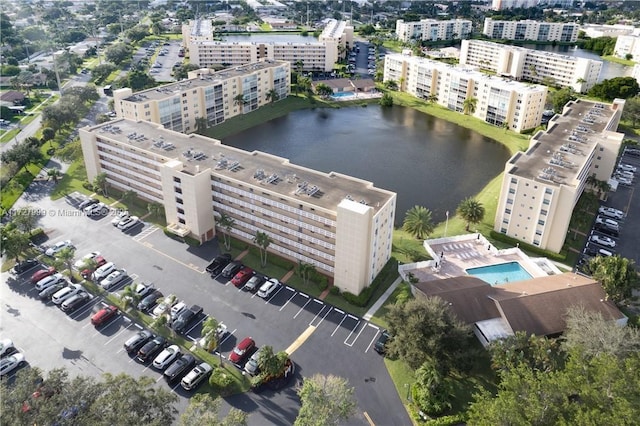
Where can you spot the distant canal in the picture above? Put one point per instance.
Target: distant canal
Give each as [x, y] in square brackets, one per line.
[426, 160]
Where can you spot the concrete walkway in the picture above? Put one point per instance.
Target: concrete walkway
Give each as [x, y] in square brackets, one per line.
[371, 312]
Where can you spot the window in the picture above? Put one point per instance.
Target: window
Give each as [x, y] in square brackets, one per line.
[543, 212]
[507, 211]
[179, 200]
[181, 220]
[177, 179]
[181, 211]
[541, 222]
[548, 191]
[512, 191]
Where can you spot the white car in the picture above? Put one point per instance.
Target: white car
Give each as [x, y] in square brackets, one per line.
[100, 273]
[66, 293]
[601, 220]
[165, 305]
[166, 357]
[53, 250]
[50, 281]
[627, 167]
[604, 241]
[610, 212]
[10, 363]
[624, 181]
[120, 217]
[83, 260]
[6, 347]
[628, 175]
[96, 209]
[129, 222]
[177, 309]
[113, 278]
[195, 376]
[268, 288]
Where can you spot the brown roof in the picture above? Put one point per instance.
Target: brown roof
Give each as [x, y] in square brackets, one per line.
[535, 306]
[363, 83]
[11, 96]
[336, 83]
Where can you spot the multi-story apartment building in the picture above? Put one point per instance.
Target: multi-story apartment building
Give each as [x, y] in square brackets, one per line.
[207, 94]
[532, 65]
[512, 4]
[433, 30]
[531, 30]
[341, 225]
[541, 186]
[197, 30]
[628, 45]
[599, 30]
[500, 102]
[332, 45]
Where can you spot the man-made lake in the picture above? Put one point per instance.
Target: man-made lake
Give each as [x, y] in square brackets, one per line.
[427, 161]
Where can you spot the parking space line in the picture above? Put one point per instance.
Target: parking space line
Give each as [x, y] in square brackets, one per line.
[273, 295]
[302, 308]
[339, 310]
[338, 326]
[290, 288]
[119, 333]
[354, 329]
[194, 326]
[375, 337]
[325, 315]
[160, 378]
[295, 293]
[173, 389]
[112, 322]
[300, 340]
[352, 317]
[93, 302]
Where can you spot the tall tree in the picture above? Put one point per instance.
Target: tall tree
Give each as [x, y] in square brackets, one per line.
[227, 223]
[203, 410]
[13, 243]
[263, 241]
[326, 401]
[101, 182]
[209, 327]
[239, 100]
[417, 222]
[538, 353]
[65, 256]
[305, 270]
[272, 96]
[155, 209]
[129, 195]
[26, 219]
[469, 106]
[471, 211]
[201, 124]
[617, 275]
[432, 390]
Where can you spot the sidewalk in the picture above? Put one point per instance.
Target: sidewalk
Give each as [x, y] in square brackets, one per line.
[371, 312]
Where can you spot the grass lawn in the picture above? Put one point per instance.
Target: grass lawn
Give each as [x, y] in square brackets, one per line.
[71, 181]
[617, 60]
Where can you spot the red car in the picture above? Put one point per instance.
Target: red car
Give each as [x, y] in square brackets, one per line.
[242, 277]
[43, 273]
[86, 273]
[104, 315]
[241, 352]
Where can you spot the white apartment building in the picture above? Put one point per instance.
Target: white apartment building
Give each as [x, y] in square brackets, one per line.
[532, 65]
[321, 55]
[512, 4]
[341, 225]
[207, 94]
[531, 30]
[499, 101]
[541, 186]
[197, 30]
[433, 30]
[598, 30]
[628, 45]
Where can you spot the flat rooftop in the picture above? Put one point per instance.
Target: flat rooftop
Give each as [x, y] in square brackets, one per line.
[205, 79]
[198, 153]
[533, 52]
[559, 154]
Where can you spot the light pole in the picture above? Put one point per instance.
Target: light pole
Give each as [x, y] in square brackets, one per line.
[446, 224]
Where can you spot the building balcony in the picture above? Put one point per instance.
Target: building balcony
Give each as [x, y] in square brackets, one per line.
[178, 229]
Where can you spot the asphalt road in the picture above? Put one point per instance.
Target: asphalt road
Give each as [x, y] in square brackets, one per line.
[322, 338]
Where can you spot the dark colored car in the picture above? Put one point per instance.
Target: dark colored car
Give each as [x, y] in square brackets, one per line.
[381, 344]
[77, 301]
[104, 315]
[43, 273]
[24, 266]
[218, 264]
[179, 368]
[254, 283]
[50, 291]
[137, 341]
[150, 301]
[150, 349]
[607, 230]
[243, 275]
[241, 352]
[185, 317]
[231, 269]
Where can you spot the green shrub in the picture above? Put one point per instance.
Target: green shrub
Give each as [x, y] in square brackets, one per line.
[334, 290]
[192, 241]
[221, 381]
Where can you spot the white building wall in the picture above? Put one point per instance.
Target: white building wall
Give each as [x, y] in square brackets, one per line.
[531, 30]
[628, 45]
[433, 30]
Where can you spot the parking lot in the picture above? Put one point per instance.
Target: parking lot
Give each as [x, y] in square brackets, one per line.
[167, 57]
[626, 238]
[319, 337]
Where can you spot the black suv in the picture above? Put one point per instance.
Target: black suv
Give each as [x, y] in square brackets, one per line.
[149, 301]
[231, 269]
[185, 317]
[179, 368]
[24, 266]
[151, 349]
[381, 344]
[218, 264]
[137, 341]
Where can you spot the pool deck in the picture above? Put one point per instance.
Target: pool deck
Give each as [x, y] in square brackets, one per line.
[452, 256]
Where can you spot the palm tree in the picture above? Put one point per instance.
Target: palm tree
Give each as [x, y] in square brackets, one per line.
[432, 98]
[305, 271]
[391, 84]
[226, 222]
[469, 105]
[13, 243]
[154, 209]
[304, 83]
[417, 222]
[128, 196]
[101, 182]
[272, 95]
[201, 124]
[209, 328]
[262, 240]
[592, 181]
[65, 257]
[160, 322]
[54, 174]
[299, 65]
[129, 296]
[471, 210]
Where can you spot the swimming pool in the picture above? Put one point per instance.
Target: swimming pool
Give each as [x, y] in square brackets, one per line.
[500, 274]
[342, 94]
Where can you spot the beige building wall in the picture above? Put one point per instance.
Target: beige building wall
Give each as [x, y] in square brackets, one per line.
[531, 30]
[353, 246]
[433, 30]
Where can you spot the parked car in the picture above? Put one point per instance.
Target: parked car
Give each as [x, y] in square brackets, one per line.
[242, 351]
[24, 266]
[633, 152]
[76, 301]
[254, 283]
[150, 300]
[136, 342]
[252, 367]
[98, 209]
[166, 357]
[607, 229]
[6, 347]
[53, 250]
[50, 280]
[86, 203]
[128, 223]
[84, 259]
[104, 315]
[218, 264]
[182, 321]
[602, 240]
[66, 293]
[11, 362]
[610, 212]
[242, 276]
[51, 290]
[231, 269]
[165, 305]
[179, 368]
[196, 376]
[381, 344]
[103, 271]
[624, 181]
[267, 289]
[627, 167]
[87, 273]
[43, 273]
[113, 279]
[120, 217]
[601, 220]
[151, 348]
[143, 289]
[177, 310]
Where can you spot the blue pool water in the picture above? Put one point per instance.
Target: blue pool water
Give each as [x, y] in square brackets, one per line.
[500, 274]
[342, 94]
